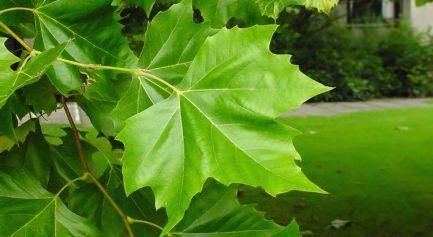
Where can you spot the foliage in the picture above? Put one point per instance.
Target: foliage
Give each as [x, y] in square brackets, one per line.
[175, 129]
[361, 63]
[422, 2]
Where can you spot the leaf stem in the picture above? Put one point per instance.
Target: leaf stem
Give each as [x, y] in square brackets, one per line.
[17, 9]
[90, 174]
[83, 177]
[135, 71]
[134, 221]
[15, 36]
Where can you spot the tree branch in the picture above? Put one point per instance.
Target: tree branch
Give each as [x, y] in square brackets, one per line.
[86, 167]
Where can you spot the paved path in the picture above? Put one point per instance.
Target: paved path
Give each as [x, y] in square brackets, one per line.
[310, 109]
[336, 108]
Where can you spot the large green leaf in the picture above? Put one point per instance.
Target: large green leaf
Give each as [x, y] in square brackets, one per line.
[219, 12]
[220, 123]
[217, 212]
[95, 37]
[147, 5]
[7, 128]
[67, 161]
[273, 8]
[171, 42]
[41, 96]
[26, 209]
[95, 206]
[28, 73]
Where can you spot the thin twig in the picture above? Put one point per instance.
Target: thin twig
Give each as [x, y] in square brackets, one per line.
[91, 175]
[21, 41]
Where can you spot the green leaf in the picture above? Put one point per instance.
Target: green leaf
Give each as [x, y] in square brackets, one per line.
[147, 5]
[41, 96]
[219, 12]
[99, 114]
[21, 22]
[53, 134]
[273, 8]
[35, 157]
[291, 230]
[217, 212]
[26, 209]
[171, 42]
[220, 123]
[7, 127]
[95, 37]
[6, 58]
[67, 161]
[28, 73]
[86, 202]
[21, 132]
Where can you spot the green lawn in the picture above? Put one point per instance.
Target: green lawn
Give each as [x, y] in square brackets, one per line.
[377, 167]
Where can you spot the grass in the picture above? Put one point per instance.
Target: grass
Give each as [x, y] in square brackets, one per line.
[377, 167]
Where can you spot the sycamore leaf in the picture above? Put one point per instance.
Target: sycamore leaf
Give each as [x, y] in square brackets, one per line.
[273, 8]
[66, 158]
[41, 96]
[220, 123]
[7, 127]
[20, 22]
[26, 209]
[219, 12]
[28, 73]
[147, 5]
[95, 206]
[21, 132]
[86, 26]
[217, 212]
[172, 40]
[35, 156]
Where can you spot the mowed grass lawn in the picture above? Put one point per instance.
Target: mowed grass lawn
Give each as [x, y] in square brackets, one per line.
[377, 167]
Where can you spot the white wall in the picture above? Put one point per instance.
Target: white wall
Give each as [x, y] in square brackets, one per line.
[421, 18]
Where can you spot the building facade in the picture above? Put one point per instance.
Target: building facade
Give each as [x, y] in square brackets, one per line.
[377, 12]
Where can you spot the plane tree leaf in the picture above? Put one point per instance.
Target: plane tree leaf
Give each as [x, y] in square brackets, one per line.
[217, 212]
[21, 132]
[219, 12]
[220, 123]
[147, 5]
[273, 8]
[29, 72]
[171, 41]
[85, 25]
[95, 206]
[26, 209]
[41, 96]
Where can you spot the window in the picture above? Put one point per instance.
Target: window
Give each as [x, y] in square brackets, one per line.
[373, 11]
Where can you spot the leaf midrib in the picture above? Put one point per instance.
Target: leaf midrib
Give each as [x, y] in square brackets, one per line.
[231, 141]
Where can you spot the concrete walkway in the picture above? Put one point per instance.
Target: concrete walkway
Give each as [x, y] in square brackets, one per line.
[310, 109]
[336, 108]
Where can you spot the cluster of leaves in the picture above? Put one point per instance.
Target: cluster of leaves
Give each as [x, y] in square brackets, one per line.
[175, 129]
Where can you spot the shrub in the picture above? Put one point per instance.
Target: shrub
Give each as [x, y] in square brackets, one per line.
[361, 63]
